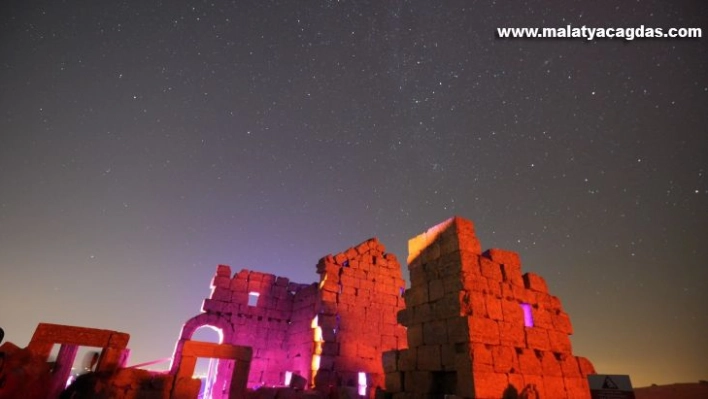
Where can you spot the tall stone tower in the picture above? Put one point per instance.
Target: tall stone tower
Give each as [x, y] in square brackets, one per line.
[478, 328]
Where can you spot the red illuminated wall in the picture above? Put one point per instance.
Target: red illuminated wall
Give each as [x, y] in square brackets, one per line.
[360, 295]
[467, 331]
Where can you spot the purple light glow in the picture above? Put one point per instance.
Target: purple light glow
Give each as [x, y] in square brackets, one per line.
[528, 316]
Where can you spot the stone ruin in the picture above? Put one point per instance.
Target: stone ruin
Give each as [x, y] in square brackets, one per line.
[471, 325]
[328, 335]
[479, 328]
[27, 374]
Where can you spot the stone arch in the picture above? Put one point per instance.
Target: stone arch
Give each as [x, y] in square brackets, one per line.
[226, 330]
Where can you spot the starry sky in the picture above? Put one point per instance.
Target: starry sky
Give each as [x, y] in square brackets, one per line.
[144, 142]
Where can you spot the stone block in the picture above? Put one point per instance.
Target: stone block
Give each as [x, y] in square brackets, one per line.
[555, 303]
[585, 365]
[512, 275]
[494, 308]
[469, 263]
[331, 286]
[475, 282]
[435, 332]
[551, 366]
[431, 253]
[394, 382]
[523, 294]
[422, 313]
[391, 258]
[328, 348]
[448, 357]
[347, 280]
[569, 365]
[436, 289]
[529, 363]
[429, 357]
[210, 305]
[542, 318]
[351, 253]
[537, 338]
[389, 361]
[478, 302]
[417, 295]
[512, 312]
[483, 330]
[561, 323]
[505, 360]
[512, 334]
[368, 351]
[239, 284]
[494, 288]
[457, 330]
[503, 256]
[221, 281]
[447, 306]
[535, 282]
[223, 270]
[389, 342]
[554, 387]
[490, 269]
[464, 230]
[452, 284]
[481, 354]
[340, 259]
[255, 285]
[560, 342]
[534, 386]
[255, 276]
[490, 385]
[221, 294]
[508, 292]
[577, 388]
[415, 335]
[407, 360]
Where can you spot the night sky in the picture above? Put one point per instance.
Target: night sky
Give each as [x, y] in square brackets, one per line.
[144, 142]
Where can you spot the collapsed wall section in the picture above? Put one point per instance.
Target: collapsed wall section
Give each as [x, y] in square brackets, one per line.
[478, 328]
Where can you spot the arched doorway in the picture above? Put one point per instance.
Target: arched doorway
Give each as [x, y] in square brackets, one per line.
[217, 372]
[207, 368]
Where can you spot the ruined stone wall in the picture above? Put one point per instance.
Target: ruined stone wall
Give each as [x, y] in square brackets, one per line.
[327, 332]
[478, 328]
[470, 325]
[276, 326]
[360, 295]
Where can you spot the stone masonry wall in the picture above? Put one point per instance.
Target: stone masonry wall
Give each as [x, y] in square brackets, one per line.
[276, 327]
[360, 295]
[326, 332]
[478, 328]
